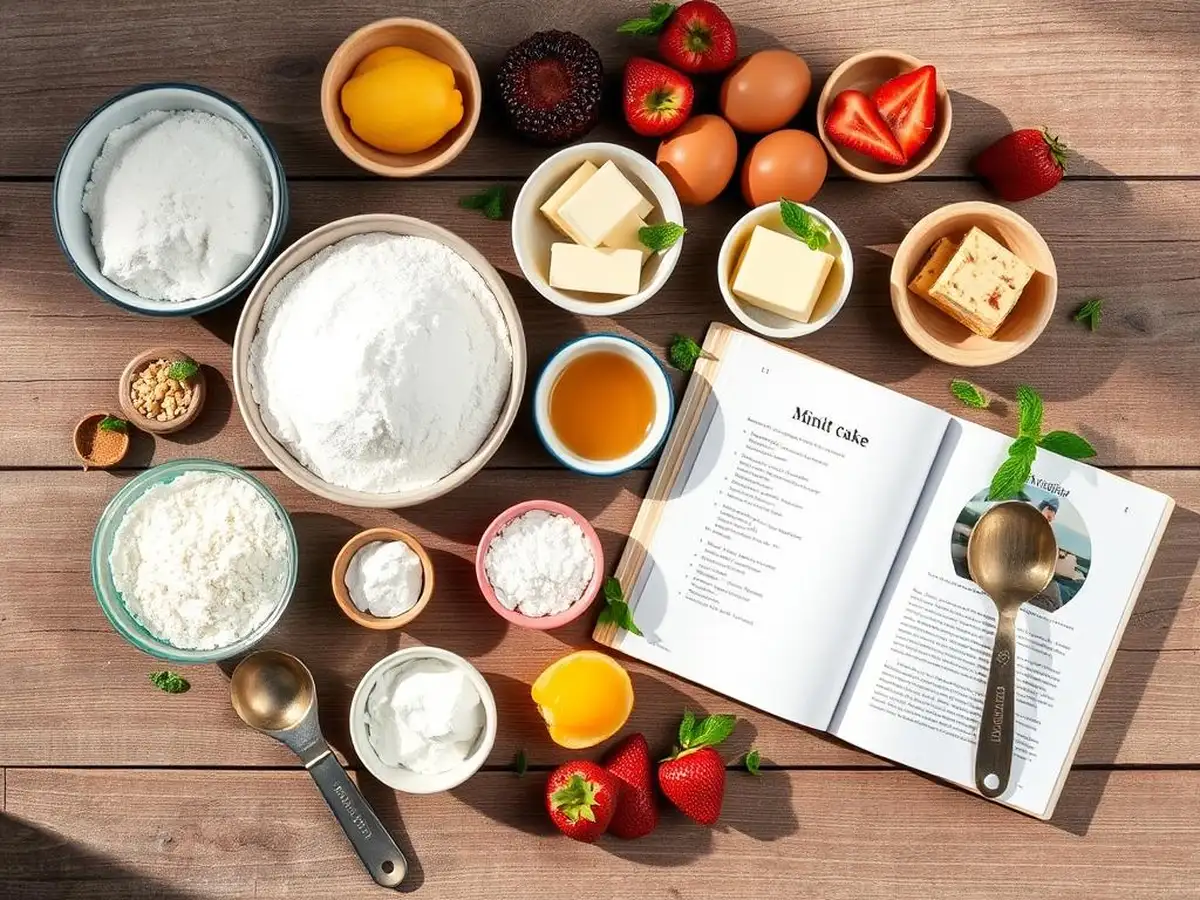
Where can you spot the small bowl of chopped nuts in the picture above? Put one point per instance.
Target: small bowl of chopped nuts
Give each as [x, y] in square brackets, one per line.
[162, 390]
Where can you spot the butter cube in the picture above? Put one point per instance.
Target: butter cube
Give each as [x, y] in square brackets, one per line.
[981, 284]
[625, 236]
[935, 263]
[780, 274]
[567, 190]
[595, 270]
[598, 207]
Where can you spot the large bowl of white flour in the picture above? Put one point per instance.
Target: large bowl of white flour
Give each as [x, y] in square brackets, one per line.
[379, 361]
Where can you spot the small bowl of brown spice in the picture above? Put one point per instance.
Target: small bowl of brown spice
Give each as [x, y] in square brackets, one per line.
[162, 390]
[101, 441]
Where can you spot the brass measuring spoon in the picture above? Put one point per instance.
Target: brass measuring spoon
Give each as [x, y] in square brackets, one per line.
[274, 693]
[1011, 555]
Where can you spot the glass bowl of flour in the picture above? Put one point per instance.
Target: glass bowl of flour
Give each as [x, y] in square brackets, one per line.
[194, 561]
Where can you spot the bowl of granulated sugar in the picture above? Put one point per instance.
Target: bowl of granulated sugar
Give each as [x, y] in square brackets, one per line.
[169, 200]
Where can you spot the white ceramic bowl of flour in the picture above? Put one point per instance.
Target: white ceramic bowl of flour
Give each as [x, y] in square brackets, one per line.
[266, 360]
[73, 227]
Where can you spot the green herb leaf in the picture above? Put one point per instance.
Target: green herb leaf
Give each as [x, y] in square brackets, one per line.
[490, 202]
[169, 682]
[649, 25]
[753, 761]
[616, 610]
[969, 394]
[684, 352]
[662, 236]
[708, 732]
[1068, 444]
[1029, 404]
[1089, 312]
[183, 369]
[687, 727]
[803, 225]
[112, 423]
[1014, 472]
[521, 764]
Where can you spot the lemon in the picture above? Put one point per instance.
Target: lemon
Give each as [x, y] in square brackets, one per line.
[401, 101]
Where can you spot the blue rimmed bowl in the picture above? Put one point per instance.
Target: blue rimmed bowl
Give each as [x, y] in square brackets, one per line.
[73, 228]
[664, 403]
[113, 604]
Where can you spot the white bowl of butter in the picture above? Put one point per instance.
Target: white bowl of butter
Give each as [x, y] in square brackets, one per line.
[783, 272]
[423, 720]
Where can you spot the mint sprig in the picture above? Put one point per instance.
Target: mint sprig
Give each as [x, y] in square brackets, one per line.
[490, 201]
[169, 682]
[183, 369]
[969, 394]
[684, 352]
[804, 226]
[616, 611]
[1014, 472]
[1089, 313]
[753, 762]
[662, 236]
[112, 423]
[648, 25]
[707, 732]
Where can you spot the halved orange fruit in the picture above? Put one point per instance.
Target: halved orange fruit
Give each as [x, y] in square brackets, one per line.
[585, 698]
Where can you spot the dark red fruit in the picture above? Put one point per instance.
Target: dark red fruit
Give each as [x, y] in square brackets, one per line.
[637, 808]
[698, 38]
[854, 122]
[908, 103]
[581, 798]
[550, 85]
[1023, 164]
[695, 782]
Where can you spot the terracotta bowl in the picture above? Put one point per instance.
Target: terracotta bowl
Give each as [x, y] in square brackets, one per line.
[941, 336]
[88, 422]
[153, 426]
[424, 37]
[342, 594]
[865, 72]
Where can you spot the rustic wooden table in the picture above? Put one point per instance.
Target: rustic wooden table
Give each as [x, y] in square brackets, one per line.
[111, 789]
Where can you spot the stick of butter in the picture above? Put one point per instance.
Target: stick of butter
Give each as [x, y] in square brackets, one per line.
[625, 236]
[780, 274]
[565, 192]
[595, 270]
[599, 206]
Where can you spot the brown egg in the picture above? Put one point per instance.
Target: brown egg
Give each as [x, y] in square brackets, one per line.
[765, 91]
[699, 158]
[785, 163]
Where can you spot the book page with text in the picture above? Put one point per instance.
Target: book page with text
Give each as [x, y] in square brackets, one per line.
[916, 692]
[779, 533]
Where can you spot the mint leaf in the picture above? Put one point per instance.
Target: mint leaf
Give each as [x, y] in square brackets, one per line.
[687, 727]
[710, 731]
[753, 760]
[1089, 312]
[112, 423]
[661, 237]
[612, 590]
[490, 201]
[1068, 444]
[798, 221]
[183, 369]
[1029, 421]
[969, 394]
[616, 611]
[649, 25]
[684, 352]
[169, 682]
[521, 764]
[1014, 472]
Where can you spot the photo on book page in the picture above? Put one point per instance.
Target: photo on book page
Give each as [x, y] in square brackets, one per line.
[1071, 532]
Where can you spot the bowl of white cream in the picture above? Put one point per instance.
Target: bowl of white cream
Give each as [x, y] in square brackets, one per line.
[169, 200]
[423, 720]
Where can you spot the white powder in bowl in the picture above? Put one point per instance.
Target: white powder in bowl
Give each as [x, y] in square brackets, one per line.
[179, 204]
[381, 363]
[539, 564]
[385, 578]
[200, 561]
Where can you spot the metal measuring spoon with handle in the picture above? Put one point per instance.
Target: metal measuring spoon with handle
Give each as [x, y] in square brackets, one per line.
[1011, 555]
[274, 693]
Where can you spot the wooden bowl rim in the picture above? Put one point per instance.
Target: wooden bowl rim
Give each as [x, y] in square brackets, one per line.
[96, 414]
[152, 426]
[342, 594]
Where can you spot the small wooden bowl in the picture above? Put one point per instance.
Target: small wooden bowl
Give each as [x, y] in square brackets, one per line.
[424, 37]
[82, 427]
[865, 72]
[941, 336]
[145, 423]
[342, 594]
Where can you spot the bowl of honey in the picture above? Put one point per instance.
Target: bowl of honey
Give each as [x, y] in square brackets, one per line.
[603, 404]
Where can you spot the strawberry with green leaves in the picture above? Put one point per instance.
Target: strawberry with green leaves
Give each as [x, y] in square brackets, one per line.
[581, 799]
[693, 778]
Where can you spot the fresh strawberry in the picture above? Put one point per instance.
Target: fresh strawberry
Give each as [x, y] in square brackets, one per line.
[1023, 164]
[637, 808]
[855, 123]
[581, 798]
[657, 99]
[694, 777]
[697, 37]
[908, 103]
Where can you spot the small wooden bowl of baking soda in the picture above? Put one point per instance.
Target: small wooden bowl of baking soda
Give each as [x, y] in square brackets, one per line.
[382, 578]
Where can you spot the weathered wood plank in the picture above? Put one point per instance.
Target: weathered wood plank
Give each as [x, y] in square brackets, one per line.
[1028, 62]
[1137, 245]
[1127, 835]
[52, 634]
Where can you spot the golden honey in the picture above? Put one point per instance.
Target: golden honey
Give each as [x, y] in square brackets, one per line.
[602, 405]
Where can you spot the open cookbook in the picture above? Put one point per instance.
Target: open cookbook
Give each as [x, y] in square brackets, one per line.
[802, 549]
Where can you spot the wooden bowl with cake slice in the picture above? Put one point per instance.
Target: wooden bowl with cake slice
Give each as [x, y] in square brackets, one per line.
[973, 284]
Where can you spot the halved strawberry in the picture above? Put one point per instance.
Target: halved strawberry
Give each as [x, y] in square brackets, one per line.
[908, 103]
[854, 123]
[657, 99]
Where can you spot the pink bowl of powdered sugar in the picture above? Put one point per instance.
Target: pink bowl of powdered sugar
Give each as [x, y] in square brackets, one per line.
[532, 557]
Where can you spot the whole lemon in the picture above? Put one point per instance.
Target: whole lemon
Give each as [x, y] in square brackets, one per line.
[402, 102]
